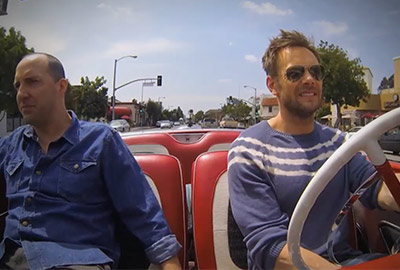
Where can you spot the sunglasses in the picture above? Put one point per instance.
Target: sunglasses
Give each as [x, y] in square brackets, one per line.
[295, 73]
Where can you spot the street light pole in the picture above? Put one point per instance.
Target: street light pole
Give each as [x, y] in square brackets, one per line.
[114, 77]
[255, 105]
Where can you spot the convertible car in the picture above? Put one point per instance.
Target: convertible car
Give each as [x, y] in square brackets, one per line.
[198, 159]
[187, 169]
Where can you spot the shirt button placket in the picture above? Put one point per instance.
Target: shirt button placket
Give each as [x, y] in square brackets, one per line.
[28, 201]
[35, 180]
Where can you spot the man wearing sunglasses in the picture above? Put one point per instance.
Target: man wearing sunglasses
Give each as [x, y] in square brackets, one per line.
[271, 163]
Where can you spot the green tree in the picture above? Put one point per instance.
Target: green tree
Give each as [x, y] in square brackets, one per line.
[211, 114]
[386, 83]
[12, 49]
[176, 114]
[166, 115]
[344, 83]
[238, 110]
[198, 116]
[322, 111]
[153, 110]
[89, 99]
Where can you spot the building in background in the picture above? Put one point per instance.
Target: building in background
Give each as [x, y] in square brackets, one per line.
[269, 107]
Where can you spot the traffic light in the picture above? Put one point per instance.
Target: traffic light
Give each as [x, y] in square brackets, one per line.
[159, 80]
[141, 110]
[3, 7]
[230, 100]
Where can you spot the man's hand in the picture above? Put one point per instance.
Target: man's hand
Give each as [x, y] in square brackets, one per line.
[313, 260]
[171, 264]
[385, 198]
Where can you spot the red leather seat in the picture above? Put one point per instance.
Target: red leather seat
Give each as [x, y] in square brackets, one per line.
[180, 144]
[163, 172]
[210, 199]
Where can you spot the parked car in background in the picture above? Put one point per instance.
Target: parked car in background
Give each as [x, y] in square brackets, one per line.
[209, 123]
[241, 125]
[228, 123]
[391, 140]
[120, 125]
[165, 124]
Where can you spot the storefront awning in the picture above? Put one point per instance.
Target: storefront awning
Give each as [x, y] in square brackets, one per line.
[120, 111]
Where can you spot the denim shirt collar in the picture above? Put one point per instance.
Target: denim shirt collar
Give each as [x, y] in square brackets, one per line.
[71, 135]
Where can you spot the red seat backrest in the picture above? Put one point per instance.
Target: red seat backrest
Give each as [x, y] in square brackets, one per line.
[186, 152]
[165, 172]
[210, 199]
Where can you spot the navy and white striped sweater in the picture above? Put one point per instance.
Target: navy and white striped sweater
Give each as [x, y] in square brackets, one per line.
[268, 170]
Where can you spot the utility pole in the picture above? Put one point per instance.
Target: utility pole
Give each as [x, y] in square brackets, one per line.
[114, 77]
[254, 105]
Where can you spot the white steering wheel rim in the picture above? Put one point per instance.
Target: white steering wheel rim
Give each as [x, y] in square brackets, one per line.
[366, 139]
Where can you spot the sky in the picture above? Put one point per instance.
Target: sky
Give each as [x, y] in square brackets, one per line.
[205, 50]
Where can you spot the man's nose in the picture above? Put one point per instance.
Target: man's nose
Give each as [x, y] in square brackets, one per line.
[308, 77]
[22, 91]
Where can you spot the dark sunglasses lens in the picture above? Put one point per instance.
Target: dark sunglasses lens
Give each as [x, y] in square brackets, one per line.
[317, 72]
[294, 73]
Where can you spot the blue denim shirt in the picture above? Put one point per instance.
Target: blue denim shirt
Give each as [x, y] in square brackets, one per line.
[62, 204]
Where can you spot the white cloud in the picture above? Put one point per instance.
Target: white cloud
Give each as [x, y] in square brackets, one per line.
[266, 9]
[330, 28]
[158, 45]
[251, 58]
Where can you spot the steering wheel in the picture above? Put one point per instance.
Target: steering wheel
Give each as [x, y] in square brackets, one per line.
[365, 139]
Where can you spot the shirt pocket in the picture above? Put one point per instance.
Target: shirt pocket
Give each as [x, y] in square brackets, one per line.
[13, 176]
[79, 180]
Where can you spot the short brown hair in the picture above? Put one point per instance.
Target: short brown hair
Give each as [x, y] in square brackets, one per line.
[283, 40]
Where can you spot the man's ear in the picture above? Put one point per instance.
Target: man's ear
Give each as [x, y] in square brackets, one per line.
[272, 84]
[63, 85]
